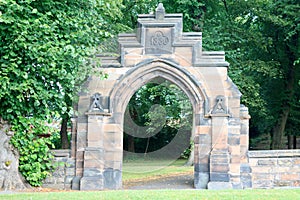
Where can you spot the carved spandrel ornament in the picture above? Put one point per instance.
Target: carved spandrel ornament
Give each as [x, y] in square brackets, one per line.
[220, 106]
[96, 103]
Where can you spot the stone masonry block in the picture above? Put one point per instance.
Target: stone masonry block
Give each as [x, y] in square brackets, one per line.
[222, 177]
[233, 139]
[201, 168]
[235, 159]
[92, 183]
[201, 180]
[269, 162]
[216, 185]
[235, 150]
[234, 168]
[218, 167]
[112, 178]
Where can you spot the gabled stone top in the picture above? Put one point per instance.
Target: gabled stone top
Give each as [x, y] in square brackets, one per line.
[161, 35]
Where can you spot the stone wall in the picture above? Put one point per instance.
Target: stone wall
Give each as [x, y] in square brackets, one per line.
[275, 168]
[62, 177]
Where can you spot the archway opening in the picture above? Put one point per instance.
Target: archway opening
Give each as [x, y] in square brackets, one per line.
[157, 137]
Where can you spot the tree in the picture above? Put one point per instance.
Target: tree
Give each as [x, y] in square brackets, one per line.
[269, 38]
[261, 41]
[159, 109]
[46, 53]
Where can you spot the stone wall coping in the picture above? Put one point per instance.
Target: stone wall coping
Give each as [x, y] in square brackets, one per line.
[96, 113]
[152, 16]
[61, 152]
[274, 153]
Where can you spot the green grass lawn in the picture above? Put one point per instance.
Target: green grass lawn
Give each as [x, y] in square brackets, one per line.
[285, 194]
[140, 170]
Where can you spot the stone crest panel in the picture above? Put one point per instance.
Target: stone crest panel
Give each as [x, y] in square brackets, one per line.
[159, 41]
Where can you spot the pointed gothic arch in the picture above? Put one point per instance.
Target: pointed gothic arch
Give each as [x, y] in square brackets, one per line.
[159, 49]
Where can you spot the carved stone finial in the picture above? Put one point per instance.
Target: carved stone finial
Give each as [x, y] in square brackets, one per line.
[220, 106]
[160, 12]
[96, 103]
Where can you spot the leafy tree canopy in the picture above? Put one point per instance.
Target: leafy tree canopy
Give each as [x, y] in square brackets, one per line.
[47, 49]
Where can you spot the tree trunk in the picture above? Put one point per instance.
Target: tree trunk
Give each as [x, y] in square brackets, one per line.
[130, 141]
[290, 141]
[278, 130]
[147, 146]
[295, 142]
[64, 134]
[10, 177]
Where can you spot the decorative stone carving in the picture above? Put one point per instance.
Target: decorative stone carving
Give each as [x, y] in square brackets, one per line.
[96, 103]
[220, 106]
[159, 41]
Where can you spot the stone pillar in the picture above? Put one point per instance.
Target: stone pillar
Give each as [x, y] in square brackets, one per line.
[219, 156]
[246, 172]
[202, 149]
[235, 152]
[93, 165]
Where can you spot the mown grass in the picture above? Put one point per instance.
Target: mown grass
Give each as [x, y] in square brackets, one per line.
[141, 170]
[152, 169]
[272, 194]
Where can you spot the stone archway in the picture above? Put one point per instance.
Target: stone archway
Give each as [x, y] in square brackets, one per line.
[161, 49]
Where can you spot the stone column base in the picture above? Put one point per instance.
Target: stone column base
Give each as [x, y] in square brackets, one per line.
[219, 185]
[92, 183]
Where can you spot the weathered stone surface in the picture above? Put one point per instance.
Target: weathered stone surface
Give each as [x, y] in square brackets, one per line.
[112, 178]
[159, 49]
[10, 178]
[201, 167]
[219, 177]
[219, 185]
[201, 180]
[274, 168]
[245, 168]
[92, 183]
[76, 183]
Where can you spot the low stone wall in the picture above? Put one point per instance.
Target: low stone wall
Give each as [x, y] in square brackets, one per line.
[275, 168]
[266, 169]
[62, 177]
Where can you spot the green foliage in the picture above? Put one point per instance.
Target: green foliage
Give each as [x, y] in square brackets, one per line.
[35, 157]
[131, 9]
[261, 40]
[47, 51]
[162, 108]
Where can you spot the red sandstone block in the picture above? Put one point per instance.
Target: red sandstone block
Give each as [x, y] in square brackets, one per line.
[234, 168]
[296, 161]
[289, 177]
[235, 159]
[260, 169]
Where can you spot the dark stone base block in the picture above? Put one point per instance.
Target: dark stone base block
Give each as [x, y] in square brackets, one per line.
[201, 180]
[112, 179]
[92, 183]
[219, 185]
